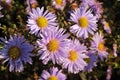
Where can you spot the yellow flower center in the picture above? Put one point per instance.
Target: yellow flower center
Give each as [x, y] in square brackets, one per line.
[14, 52]
[42, 22]
[53, 45]
[59, 2]
[107, 24]
[83, 22]
[73, 55]
[53, 78]
[101, 46]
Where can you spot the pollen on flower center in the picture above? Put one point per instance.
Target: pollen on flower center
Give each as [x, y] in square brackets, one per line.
[73, 55]
[42, 22]
[14, 52]
[59, 2]
[83, 22]
[53, 45]
[52, 78]
[101, 46]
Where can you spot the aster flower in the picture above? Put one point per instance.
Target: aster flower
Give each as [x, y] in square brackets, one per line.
[97, 45]
[95, 6]
[53, 74]
[92, 60]
[53, 45]
[40, 21]
[85, 22]
[31, 4]
[59, 4]
[75, 61]
[15, 52]
[106, 26]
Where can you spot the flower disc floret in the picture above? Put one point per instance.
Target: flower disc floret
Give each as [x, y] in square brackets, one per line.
[83, 22]
[53, 45]
[73, 55]
[53, 78]
[14, 52]
[42, 22]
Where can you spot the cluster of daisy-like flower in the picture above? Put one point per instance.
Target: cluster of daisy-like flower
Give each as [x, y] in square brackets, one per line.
[54, 43]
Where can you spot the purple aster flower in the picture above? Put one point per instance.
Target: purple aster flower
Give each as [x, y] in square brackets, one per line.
[76, 55]
[53, 45]
[95, 6]
[97, 45]
[106, 26]
[92, 60]
[85, 22]
[53, 74]
[31, 4]
[40, 21]
[59, 4]
[15, 52]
